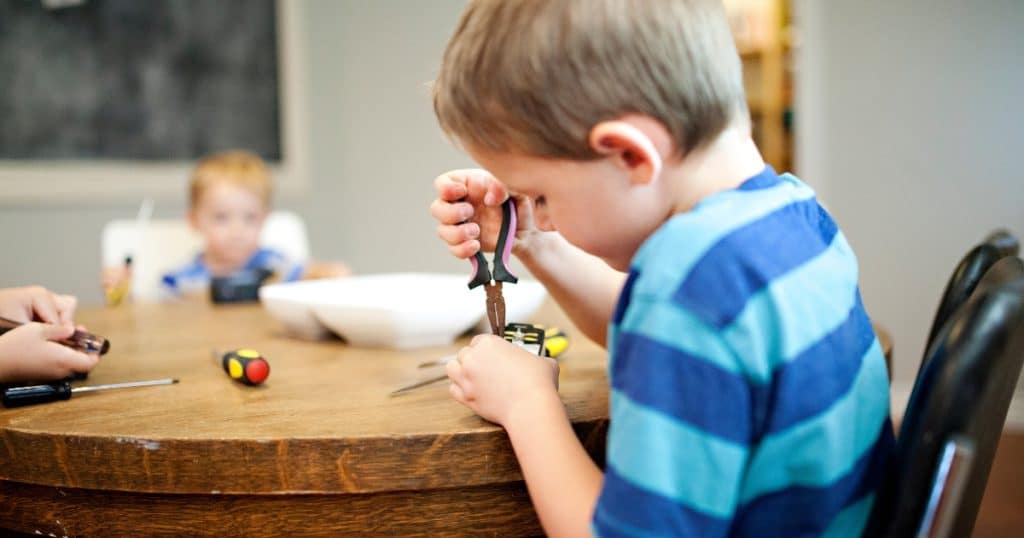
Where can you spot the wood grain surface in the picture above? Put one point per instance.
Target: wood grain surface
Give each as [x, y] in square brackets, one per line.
[320, 448]
[323, 422]
[493, 510]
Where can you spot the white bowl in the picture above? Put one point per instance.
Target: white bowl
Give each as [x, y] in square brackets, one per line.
[289, 303]
[397, 310]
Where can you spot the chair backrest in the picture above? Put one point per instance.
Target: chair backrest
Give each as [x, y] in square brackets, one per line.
[1004, 241]
[965, 277]
[162, 245]
[937, 475]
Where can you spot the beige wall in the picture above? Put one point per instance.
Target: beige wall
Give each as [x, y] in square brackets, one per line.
[374, 148]
[910, 125]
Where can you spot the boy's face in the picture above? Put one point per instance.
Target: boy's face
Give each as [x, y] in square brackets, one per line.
[592, 204]
[230, 219]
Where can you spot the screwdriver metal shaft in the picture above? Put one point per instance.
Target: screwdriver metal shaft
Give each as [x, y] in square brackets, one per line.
[150, 383]
[417, 385]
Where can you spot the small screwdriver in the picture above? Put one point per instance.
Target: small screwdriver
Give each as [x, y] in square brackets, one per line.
[245, 366]
[61, 390]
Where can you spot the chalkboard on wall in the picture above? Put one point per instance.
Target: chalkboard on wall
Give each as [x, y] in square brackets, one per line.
[155, 80]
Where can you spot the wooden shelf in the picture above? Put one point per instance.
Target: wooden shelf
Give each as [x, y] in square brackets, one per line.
[764, 42]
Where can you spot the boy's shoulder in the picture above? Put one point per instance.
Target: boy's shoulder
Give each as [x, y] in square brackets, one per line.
[763, 269]
[731, 229]
[742, 253]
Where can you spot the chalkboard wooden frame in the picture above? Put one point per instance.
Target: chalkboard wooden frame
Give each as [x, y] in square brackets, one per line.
[73, 182]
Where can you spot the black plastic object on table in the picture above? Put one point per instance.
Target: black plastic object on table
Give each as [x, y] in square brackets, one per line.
[241, 287]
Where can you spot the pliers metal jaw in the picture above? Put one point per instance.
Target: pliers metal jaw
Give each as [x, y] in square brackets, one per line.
[491, 279]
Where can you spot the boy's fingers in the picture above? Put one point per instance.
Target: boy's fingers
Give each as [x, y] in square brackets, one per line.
[465, 249]
[45, 308]
[66, 305]
[450, 189]
[450, 213]
[454, 369]
[71, 360]
[477, 189]
[55, 332]
[454, 235]
[456, 391]
[496, 194]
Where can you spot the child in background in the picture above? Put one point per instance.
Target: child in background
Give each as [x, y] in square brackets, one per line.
[749, 395]
[229, 199]
[31, 352]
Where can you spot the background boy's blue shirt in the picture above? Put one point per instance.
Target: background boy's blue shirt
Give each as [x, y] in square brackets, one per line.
[749, 393]
[195, 277]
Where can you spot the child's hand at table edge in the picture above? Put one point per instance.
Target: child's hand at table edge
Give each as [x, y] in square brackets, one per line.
[502, 382]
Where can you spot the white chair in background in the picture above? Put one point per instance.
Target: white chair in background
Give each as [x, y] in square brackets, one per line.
[162, 245]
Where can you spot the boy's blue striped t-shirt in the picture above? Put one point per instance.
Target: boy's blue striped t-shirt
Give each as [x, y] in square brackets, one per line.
[749, 395]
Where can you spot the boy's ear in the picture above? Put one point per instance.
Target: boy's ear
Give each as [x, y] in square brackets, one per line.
[629, 148]
[192, 219]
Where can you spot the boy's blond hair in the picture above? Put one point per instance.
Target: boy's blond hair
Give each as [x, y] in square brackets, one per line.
[237, 167]
[534, 76]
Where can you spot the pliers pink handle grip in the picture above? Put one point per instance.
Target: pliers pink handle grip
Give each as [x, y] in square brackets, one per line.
[481, 273]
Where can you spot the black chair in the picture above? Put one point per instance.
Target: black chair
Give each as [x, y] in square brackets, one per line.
[965, 277]
[1004, 241]
[968, 273]
[936, 477]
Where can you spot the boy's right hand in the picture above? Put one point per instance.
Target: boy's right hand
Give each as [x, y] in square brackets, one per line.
[30, 353]
[468, 208]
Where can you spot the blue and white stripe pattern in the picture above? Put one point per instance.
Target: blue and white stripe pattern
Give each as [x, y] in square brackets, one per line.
[195, 277]
[749, 395]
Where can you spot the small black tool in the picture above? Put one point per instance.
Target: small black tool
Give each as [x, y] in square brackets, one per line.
[240, 287]
[61, 390]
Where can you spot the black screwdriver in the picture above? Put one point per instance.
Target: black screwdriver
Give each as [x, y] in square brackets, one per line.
[61, 390]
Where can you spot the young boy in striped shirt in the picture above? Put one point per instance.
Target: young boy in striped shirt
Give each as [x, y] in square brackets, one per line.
[749, 395]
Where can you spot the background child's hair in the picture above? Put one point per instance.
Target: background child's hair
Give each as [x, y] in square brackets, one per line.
[238, 167]
[536, 75]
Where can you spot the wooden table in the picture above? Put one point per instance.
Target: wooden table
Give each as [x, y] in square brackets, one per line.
[319, 449]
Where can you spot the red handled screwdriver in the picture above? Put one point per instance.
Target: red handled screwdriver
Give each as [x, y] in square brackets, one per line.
[245, 366]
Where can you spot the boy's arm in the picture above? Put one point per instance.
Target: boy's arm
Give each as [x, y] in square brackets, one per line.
[519, 390]
[584, 286]
[564, 483]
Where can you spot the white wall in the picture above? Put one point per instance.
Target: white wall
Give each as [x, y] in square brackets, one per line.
[373, 142]
[910, 125]
[909, 119]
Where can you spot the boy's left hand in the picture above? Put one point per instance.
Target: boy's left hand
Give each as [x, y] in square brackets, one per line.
[494, 378]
